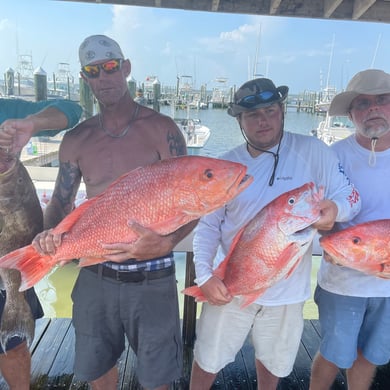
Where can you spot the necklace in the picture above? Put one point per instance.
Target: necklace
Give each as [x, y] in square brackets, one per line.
[125, 130]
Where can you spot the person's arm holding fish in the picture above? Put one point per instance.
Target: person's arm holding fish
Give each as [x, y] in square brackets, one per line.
[29, 119]
[149, 244]
[342, 201]
[62, 200]
[206, 241]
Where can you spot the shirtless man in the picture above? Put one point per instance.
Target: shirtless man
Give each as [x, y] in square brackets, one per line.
[121, 137]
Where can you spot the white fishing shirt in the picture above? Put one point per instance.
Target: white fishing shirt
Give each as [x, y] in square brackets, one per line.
[301, 159]
[373, 185]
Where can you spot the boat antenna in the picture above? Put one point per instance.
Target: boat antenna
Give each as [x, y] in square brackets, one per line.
[330, 62]
[255, 74]
[376, 51]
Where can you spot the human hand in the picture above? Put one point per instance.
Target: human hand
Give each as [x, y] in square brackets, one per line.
[15, 134]
[328, 215]
[46, 243]
[148, 245]
[7, 160]
[216, 292]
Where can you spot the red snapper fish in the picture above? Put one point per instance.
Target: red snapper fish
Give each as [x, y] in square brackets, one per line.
[162, 196]
[269, 246]
[364, 247]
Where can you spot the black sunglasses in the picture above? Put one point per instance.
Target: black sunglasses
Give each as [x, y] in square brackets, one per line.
[261, 97]
[109, 67]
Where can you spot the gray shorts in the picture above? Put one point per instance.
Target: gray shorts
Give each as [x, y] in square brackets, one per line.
[147, 312]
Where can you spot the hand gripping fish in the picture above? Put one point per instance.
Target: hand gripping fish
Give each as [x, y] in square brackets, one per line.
[270, 246]
[162, 196]
[20, 221]
[364, 247]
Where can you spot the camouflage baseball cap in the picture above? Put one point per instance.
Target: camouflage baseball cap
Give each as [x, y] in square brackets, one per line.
[256, 94]
[99, 47]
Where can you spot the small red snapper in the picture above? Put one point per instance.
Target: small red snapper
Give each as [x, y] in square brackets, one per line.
[162, 196]
[270, 245]
[364, 247]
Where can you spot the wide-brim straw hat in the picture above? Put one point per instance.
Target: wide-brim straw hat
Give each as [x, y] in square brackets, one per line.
[367, 82]
[254, 89]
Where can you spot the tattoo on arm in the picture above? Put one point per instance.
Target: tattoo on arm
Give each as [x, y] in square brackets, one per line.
[68, 181]
[176, 145]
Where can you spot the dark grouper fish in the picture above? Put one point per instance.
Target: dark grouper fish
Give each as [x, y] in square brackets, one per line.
[20, 220]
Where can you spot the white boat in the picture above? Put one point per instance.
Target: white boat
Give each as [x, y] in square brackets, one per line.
[326, 96]
[334, 128]
[195, 133]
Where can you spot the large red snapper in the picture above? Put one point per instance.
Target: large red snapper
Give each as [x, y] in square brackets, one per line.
[364, 247]
[162, 196]
[269, 246]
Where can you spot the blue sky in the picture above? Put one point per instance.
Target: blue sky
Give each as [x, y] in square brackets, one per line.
[169, 43]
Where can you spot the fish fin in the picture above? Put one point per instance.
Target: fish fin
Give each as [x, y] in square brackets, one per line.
[220, 271]
[289, 253]
[293, 267]
[86, 261]
[179, 221]
[247, 299]
[66, 224]
[31, 265]
[196, 292]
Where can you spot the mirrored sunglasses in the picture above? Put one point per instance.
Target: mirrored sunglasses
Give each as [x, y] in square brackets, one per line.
[109, 67]
[262, 97]
[362, 104]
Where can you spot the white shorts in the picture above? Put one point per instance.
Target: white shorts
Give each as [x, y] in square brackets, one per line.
[276, 333]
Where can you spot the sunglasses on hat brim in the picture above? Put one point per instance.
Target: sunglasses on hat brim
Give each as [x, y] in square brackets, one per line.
[259, 98]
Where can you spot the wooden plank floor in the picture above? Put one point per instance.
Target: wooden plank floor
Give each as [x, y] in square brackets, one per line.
[53, 353]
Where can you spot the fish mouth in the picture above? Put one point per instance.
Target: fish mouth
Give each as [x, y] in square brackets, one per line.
[243, 181]
[329, 248]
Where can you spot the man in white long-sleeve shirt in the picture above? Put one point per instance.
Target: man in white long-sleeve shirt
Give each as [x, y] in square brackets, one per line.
[354, 307]
[279, 161]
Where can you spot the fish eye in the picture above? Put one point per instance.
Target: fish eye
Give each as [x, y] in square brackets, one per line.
[291, 200]
[208, 173]
[356, 240]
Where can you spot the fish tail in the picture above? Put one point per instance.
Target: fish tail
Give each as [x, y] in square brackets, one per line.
[32, 265]
[196, 292]
[20, 324]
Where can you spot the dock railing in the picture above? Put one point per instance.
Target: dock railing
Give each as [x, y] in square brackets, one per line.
[189, 310]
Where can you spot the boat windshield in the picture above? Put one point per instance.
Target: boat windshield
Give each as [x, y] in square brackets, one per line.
[341, 121]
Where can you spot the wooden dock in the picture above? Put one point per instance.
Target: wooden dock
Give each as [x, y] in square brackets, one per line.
[53, 350]
[53, 354]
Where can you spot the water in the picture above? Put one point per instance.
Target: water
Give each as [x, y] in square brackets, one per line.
[55, 289]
